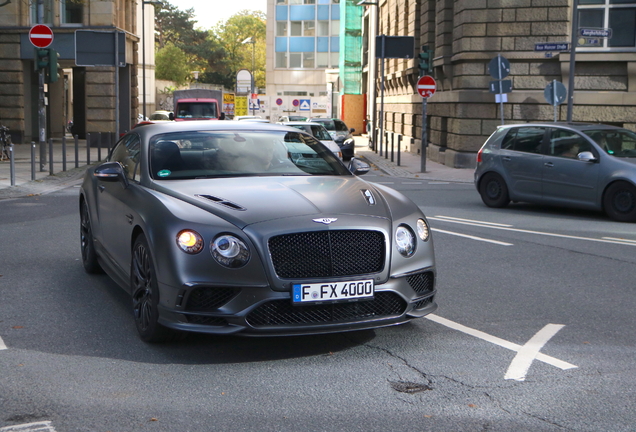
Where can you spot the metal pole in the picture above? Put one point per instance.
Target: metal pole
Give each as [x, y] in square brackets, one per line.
[88, 148]
[375, 75]
[41, 106]
[392, 146]
[99, 146]
[386, 144]
[399, 151]
[12, 164]
[63, 153]
[76, 151]
[500, 76]
[116, 82]
[143, 56]
[424, 144]
[32, 160]
[554, 99]
[575, 28]
[51, 156]
[383, 37]
[253, 77]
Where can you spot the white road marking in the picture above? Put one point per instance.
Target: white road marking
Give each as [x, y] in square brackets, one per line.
[414, 183]
[2, 346]
[385, 182]
[472, 237]
[498, 341]
[44, 426]
[434, 183]
[527, 353]
[504, 228]
[449, 219]
[620, 239]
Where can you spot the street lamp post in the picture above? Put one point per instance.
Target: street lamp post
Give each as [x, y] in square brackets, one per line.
[374, 68]
[251, 40]
[143, 51]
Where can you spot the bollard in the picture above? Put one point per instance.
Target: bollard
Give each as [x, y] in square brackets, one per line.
[63, 152]
[32, 160]
[392, 146]
[51, 156]
[88, 149]
[76, 151]
[99, 146]
[386, 144]
[12, 164]
[375, 140]
[399, 148]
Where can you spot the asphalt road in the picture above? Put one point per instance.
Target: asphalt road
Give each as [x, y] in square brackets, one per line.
[534, 332]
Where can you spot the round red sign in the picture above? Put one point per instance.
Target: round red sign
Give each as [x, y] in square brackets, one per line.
[426, 86]
[41, 36]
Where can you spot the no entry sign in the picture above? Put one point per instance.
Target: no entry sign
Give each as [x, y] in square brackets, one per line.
[426, 86]
[41, 36]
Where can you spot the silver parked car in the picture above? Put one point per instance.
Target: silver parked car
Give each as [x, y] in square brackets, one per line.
[318, 131]
[589, 166]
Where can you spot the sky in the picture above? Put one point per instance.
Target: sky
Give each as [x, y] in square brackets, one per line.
[209, 12]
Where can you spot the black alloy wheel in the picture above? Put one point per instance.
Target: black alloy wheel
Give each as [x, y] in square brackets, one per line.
[89, 256]
[145, 294]
[493, 191]
[619, 202]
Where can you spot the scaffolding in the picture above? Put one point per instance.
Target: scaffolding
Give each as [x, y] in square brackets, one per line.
[351, 47]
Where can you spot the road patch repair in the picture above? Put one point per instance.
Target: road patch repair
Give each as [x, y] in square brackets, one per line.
[526, 354]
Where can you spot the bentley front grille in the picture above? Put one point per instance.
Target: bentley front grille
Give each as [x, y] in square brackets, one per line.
[282, 312]
[327, 253]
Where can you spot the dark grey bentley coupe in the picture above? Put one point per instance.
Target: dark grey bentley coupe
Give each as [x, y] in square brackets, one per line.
[252, 229]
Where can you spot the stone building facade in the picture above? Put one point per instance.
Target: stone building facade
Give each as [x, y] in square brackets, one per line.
[85, 94]
[466, 35]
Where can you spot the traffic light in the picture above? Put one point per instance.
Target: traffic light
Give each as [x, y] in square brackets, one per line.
[41, 58]
[425, 61]
[53, 65]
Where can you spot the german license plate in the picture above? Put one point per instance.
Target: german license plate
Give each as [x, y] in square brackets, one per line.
[332, 292]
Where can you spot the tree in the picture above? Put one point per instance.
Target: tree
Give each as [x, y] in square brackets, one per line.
[171, 64]
[231, 35]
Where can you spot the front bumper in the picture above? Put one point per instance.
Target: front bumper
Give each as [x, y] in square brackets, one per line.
[261, 311]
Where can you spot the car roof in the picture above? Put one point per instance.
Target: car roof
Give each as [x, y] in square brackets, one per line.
[209, 125]
[301, 123]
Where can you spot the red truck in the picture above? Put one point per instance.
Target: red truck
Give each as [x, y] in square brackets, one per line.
[197, 104]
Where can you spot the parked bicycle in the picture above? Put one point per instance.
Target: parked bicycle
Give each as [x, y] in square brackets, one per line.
[5, 137]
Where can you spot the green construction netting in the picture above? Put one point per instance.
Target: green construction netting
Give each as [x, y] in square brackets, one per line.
[351, 46]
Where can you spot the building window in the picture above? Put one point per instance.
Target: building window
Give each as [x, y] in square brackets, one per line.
[335, 28]
[281, 59]
[323, 28]
[322, 60]
[295, 60]
[335, 59]
[308, 60]
[281, 28]
[617, 15]
[309, 28]
[281, 2]
[47, 11]
[295, 28]
[72, 11]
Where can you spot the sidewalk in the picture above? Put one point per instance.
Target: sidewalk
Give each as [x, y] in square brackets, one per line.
[44, 182]
[410, 165]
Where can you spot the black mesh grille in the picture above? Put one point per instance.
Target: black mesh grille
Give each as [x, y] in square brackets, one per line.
[423, 303]
[282, 312]
[422, 283]
[206, 320]
[327, 253]
[209, 298]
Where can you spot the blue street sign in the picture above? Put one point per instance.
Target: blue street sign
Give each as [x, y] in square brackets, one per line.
[596, 32]
[552, 46]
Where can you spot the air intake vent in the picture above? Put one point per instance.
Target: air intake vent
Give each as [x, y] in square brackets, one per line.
[223, 202]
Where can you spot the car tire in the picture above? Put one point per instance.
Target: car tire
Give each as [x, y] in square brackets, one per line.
[145, 295]
[493, 191]
[619, 202]
[89, 255]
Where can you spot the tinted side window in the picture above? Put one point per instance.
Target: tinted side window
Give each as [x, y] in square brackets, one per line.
[126, 152]
[527, 139]
[509, 140]
[341, 126]
[565, 143]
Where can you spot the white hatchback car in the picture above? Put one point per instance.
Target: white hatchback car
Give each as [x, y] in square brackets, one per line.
[319, 132]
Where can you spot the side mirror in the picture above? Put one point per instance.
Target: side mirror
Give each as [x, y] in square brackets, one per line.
[586, 156]
[352, 130]
[358, 166]
[110, 172]
[171, 116]
[222, 116]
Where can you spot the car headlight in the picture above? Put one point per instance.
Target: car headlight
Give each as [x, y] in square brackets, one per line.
[190, 241]
[230, 251]
[405, 240]
[423, 230]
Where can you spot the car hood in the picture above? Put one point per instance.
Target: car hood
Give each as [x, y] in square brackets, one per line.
[244, 201]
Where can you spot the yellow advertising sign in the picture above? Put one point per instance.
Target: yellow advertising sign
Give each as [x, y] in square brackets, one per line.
[240, 105]
[228, 103]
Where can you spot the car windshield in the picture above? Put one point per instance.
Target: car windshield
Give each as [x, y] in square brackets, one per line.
[328, 124]
[196, 110]
[203, 154]
[320, 132]
[616, 142]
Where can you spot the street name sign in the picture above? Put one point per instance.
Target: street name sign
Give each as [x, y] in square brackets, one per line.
[552, 46]
[595, 32]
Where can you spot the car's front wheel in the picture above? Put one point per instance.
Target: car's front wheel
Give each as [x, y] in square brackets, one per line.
[493, 191]
[145, 293]
[89, 256]
[619, 202]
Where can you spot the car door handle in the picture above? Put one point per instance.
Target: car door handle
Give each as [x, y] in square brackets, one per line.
[101, 188]
[507, 158]
[549, 164]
